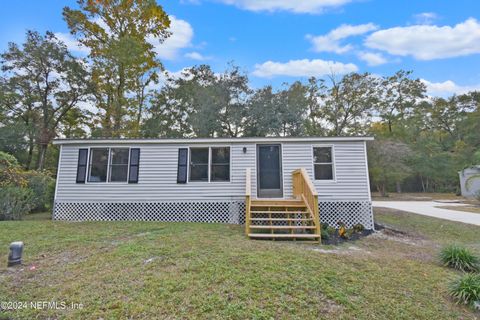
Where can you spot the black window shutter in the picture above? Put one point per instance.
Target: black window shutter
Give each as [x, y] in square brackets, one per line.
[134, 164]
[82, 165]
[182, 165]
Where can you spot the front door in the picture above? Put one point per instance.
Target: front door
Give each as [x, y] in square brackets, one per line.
[269, 171]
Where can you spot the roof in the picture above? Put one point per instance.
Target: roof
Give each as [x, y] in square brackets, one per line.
[207, 140]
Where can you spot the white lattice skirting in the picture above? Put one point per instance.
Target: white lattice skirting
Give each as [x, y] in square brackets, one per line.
[348, 212]
[233, 212]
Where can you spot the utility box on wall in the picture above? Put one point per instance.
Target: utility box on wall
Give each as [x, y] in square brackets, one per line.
[470, 181]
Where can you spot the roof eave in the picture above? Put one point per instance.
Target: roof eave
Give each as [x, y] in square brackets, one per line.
[207, 140]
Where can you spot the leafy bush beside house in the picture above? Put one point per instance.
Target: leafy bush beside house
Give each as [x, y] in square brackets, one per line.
[43, 188]
[22, 191]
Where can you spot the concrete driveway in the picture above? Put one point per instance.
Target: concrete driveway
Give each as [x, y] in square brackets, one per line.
[428, 208]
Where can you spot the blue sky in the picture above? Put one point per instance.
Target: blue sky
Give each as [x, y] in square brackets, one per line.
[286, 40]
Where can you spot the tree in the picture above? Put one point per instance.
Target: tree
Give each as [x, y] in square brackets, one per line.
[200, 103]
[398, 94]
[280, 113]
[316, 94]
[46, 82]
[349, 103]
[124, 62]
[388, 163]
[18, 119]
[262, 117]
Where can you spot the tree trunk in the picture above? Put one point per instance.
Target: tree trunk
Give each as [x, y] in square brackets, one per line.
[398, 187]
[42, 152]
[384, 190]
[423, 183]
[31, 145]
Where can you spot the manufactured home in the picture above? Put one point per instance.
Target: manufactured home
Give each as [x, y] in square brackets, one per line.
[276, 186]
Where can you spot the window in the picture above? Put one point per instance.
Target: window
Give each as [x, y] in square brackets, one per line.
[109, 164]
[209, 164]
[98, 165]
[220, 167]
[199, 164]
[323, 163]
[118, 165]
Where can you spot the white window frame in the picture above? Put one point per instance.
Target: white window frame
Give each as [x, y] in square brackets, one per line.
[189, 163]
[209, 147]
[108, 165]
[334, 173]
[110, 162]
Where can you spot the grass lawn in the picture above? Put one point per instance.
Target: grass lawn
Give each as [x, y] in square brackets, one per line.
[144, 270]
[469, 208]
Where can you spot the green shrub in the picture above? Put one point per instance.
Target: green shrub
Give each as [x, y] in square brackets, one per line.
[459, 258]
[43, 188]
[325, 235]
[7, 160]
[466, 289]
[358, 228]
[22, 191]
[15, 202]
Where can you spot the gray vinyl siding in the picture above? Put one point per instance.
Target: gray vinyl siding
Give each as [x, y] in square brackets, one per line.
[350, 170]
[158, 174]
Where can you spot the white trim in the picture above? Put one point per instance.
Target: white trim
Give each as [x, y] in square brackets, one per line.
[281, 171]
[271, 140]
[366, 169]
[334, 171]
[108, 165]
[58, 173]
[209, 147]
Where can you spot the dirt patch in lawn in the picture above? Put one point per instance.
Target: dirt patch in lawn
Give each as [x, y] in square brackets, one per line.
[392, 234]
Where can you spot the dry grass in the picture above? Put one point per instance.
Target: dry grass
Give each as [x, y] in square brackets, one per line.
[469, 208]
[144, 270]
[418, 196]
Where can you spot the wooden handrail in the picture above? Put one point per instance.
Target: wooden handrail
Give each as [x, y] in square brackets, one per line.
[248, 182]
[304, 189]
[248, 200]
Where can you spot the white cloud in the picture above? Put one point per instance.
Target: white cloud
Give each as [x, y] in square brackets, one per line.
[426, 42]
[196, 56]
[302, 68]
[72, 44]
[298, 6]
[372, 58]
[448, 88]
[425, 17]
[331, 41]
[181, 37]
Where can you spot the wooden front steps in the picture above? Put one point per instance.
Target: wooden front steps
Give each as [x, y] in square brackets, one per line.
[283, 236]
[281, 220]
[286, 219]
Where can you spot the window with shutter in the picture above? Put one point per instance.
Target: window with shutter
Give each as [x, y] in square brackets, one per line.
[82, 165]
[134, 165]
[182, 165]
